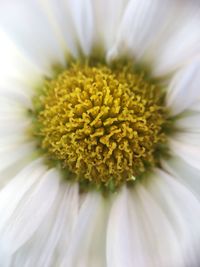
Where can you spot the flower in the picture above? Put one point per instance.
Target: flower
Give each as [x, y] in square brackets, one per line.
[85, 220]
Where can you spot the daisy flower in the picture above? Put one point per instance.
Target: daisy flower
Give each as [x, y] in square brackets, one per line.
[99, 133]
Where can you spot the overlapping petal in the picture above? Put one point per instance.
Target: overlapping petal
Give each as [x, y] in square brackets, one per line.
[45, 222]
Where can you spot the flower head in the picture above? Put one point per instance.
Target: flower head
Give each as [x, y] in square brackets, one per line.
[99, 142]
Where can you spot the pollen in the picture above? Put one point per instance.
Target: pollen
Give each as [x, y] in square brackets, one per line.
[103, 124]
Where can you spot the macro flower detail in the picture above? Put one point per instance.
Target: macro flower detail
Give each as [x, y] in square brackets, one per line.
[103, 124]
[99, 133]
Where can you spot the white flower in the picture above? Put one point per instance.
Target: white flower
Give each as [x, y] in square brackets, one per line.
[45, 221]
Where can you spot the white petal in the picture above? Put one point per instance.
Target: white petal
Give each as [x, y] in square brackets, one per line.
[17, 93]
[5, 262]
[24, 180]
[14, 105]
[107, 21]
[50, 242]
[72, 22]
[13, 169]
[82, 17]
[13, 123]
[196, 106]
[87, 246]
[124, 239]
[180, 44]
[14, 127]
[63, 226]
[184, 89]
[13, 139]
[167, 44]
[60, 18]
[159, 231]
[185, 173]
[13, 115]
[139, 233]
[31, 209]
[13, 153]
[187, 138]
[31, 30]
[15, 66]
[189, 153]
[189, 122]
[182, 209]
[9, 104]
[139, 26]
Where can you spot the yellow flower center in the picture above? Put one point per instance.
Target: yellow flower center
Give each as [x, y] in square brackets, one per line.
[103, 124]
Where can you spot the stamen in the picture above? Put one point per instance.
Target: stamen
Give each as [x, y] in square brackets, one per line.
[103, 124]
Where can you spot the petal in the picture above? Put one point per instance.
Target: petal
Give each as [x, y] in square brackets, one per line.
[10, 106]
[187, 152]
[87, 245]
[135, 232]
[14, 119]
[166, 45]
[59, 17]
[107, 21]
[186, 174]
[13, 123]
[182, 209]
[180, 44]
[14, 168]
[184, 88]
[73, 21]
[124, 240]
[50, 242]
[196, 106]
[19, 93]
[190, 138]
[190, 122]
[16, 146]
[15, 67]
[10, 195]
[27, 24]
[139, 27]
[15, 152]
[30, 210]
[159, 231]
[81, 12]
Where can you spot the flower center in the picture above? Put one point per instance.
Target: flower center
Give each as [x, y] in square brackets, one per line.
[103, 124]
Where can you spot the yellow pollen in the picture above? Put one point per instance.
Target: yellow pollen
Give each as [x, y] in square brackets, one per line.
[102, 123]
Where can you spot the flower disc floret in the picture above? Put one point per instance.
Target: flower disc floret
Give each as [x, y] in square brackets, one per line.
[102, 123]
